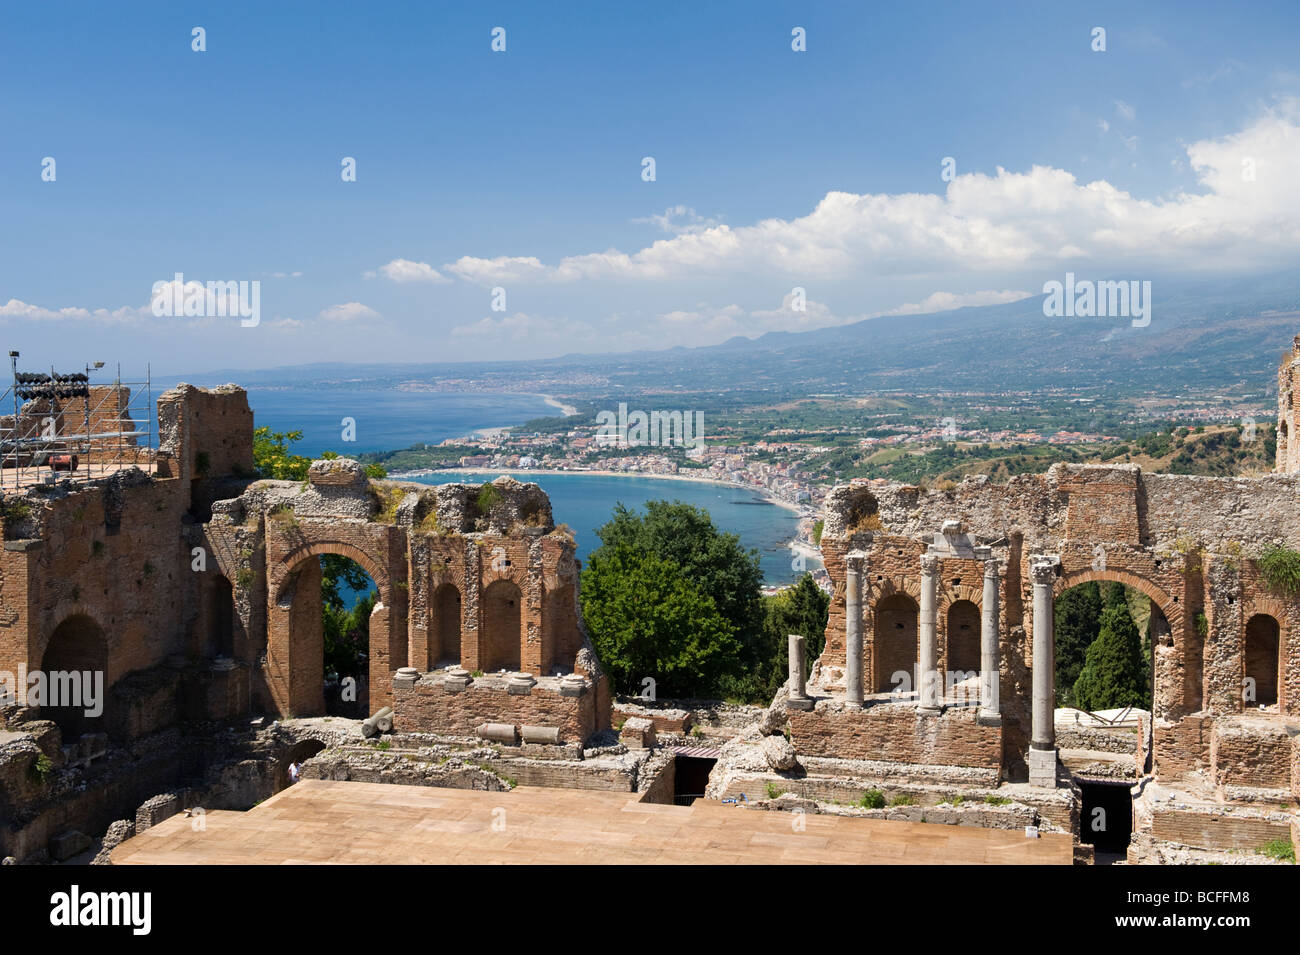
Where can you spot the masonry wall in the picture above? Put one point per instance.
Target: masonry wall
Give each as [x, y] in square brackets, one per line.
[429, 707]
[896, 732]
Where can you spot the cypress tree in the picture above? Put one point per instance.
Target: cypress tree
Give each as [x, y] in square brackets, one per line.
[1114, 674]
[1078, 622]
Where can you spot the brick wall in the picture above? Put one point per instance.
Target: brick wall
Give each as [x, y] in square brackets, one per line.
[895, 732]
[427, 707]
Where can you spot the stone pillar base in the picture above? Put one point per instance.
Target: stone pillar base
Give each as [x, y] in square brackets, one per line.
[800, 703]
[988, 718]
[1042, 768]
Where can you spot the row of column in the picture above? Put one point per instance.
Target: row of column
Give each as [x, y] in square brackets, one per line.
[1043, 569]
[930, 681]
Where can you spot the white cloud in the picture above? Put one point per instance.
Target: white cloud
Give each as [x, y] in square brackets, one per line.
[404, 270]
[349, 312]
[498, 271]
[1103, 126]
[1007, 221]
[947, 301]
[523, 327]
[677, 220]
[1125, 110]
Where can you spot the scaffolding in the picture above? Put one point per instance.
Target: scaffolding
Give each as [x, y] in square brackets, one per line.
[65, 427]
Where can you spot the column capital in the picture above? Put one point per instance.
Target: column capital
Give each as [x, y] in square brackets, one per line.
[856, 561]
[1043, 568]
[992, 567]
[929, 564]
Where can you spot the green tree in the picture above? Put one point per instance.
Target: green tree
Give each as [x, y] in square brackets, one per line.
[1114, 673]
[273, 457]
[1078, 623]
[714, 561]
[347, 636]
[801, 609]
[649, 618]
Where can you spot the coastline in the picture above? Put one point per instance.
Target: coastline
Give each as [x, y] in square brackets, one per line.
[797, 546]
[566, 410]
[760, 491]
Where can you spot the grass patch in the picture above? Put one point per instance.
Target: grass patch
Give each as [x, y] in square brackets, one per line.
[772, 791]
[1281, 568]
[1279, 849]
[996, 800]
[903, 799]
[872, 799]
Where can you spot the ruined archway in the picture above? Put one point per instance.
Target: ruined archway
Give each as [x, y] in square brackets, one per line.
[1260, 657]
[221, 618]
[1079, 604]
[963, 628]
[444, 647]
[500, 638]
[74, 668]
[296, 644]
[560, 624]
[895, 641]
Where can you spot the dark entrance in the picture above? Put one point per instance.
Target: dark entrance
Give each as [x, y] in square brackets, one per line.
[690, 777]
[1106, 819]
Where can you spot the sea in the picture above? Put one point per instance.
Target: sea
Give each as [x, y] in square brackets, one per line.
[390, 420]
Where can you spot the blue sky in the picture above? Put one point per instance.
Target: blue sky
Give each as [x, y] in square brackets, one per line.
[522, 169]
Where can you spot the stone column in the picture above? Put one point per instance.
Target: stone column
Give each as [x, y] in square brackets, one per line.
[928, 681]
[990, 678]
[798, 698]
[853, 629]
[1042, 740]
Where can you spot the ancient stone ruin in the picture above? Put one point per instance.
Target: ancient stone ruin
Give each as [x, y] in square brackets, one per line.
[195, 588]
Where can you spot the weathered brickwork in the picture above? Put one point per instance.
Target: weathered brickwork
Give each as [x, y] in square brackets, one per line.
[428, 706]
[895, 732]
[1222, 636]
[196, 590]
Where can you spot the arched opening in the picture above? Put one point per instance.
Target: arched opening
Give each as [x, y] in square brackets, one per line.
[561, 621]
[298, 753]
[500, 638]
[1104, 635]
[895, 642]
[221, 619]
[964, 637]
[1260, 660]
[444, 648]
[329, 600]
[75, 668]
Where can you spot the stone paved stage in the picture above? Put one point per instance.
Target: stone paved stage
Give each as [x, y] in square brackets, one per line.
[318, 821]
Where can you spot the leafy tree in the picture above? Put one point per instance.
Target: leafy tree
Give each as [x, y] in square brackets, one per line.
[649, 618]
[347, 636]
[274, 458]
[801, 609]
[1114, 673]
[1078, 623]
[1114, 594]
[715, 562]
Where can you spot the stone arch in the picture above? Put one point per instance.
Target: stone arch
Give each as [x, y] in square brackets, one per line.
[895, 637]
[561, 637]
[1261, 655]
[1171, 608]
[295, 638]
[375, 568]
[76, 646]
[963, 633]
[500, 634]
[220, 611]
[446, 606]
